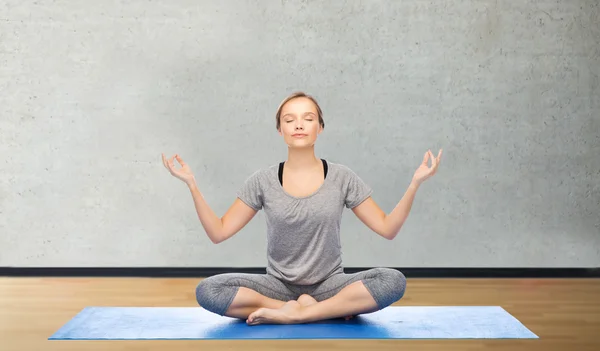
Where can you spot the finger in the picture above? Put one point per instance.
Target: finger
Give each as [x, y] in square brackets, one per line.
[425, 158]
[164, 160]
[437, 162]
[171, 164]
[432, 159]
[180, 160]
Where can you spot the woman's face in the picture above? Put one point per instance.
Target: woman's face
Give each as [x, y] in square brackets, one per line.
[299, 123]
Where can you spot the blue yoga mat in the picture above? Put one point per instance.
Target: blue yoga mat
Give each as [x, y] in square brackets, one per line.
[394, 322]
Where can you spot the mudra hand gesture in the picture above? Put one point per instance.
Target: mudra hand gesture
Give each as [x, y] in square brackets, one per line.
[424, 171]
[184, 173]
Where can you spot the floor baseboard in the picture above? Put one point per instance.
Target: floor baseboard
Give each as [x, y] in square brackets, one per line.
[191, 272]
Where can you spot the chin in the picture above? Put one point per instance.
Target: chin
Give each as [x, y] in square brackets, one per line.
[300, 144]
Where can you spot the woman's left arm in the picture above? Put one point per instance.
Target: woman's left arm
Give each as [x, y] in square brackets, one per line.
[388, 225]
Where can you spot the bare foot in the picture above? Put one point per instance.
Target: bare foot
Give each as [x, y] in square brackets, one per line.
[287, 314]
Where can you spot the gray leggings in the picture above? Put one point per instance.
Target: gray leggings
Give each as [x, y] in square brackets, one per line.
[216, 293]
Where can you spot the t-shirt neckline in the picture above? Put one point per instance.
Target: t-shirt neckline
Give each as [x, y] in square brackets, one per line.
[309, 195]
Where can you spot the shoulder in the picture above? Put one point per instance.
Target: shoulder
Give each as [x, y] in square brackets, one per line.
[263, 174]
[341, 170]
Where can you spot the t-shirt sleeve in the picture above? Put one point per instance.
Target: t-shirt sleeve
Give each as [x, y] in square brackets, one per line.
[357, 191]
[251, 192]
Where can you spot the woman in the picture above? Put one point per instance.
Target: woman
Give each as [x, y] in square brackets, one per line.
[303, 199]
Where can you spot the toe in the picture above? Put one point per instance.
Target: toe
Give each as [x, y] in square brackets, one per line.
[255, 317]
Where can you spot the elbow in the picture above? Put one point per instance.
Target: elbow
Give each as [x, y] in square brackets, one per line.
[215, 238]
[390, 233]
[217, 235]
[391, 236]
[387, 235]
[218, 240]
[385, 230]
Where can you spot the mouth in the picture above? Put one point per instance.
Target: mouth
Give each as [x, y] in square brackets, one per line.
[299, 135]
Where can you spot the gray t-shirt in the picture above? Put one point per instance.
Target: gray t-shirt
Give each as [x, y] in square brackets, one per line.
[303, 233]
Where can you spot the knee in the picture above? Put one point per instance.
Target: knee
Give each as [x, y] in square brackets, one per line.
[205, 291]
[398, 283]
[210, 294]
[393, 284]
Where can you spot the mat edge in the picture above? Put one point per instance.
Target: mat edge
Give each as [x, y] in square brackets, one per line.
[60, 333]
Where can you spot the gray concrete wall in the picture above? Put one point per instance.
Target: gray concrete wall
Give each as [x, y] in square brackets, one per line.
[92, 92]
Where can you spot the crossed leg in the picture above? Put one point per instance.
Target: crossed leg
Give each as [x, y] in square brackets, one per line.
[237, 295]
[307, 300]
[248, 301]
[352, 300]
[341, 295]
[263, 299]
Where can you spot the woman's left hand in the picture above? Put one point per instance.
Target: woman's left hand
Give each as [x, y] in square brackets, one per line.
[424, 171]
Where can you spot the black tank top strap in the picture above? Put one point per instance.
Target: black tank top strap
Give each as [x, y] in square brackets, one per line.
[281, 173]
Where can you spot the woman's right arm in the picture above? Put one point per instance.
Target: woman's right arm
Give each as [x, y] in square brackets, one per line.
[221, 229]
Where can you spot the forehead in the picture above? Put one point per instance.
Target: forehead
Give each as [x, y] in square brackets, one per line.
[299, 106]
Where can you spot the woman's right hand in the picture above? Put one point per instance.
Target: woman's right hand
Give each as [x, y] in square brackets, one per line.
[184, 173]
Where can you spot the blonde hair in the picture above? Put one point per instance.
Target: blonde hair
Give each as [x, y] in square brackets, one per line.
[296, 95]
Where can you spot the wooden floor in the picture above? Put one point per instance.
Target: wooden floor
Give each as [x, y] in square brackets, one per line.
[564, 313]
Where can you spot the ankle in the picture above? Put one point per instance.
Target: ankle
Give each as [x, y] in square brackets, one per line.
[304, 314]
[298, 311]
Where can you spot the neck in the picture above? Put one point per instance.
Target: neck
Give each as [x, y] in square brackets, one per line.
[302, 158]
